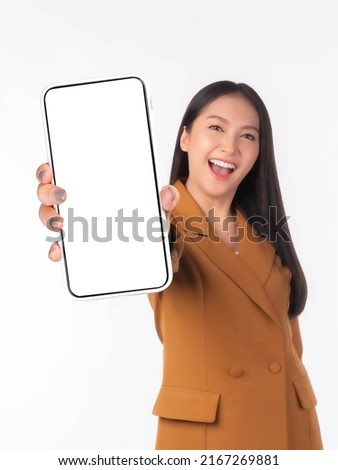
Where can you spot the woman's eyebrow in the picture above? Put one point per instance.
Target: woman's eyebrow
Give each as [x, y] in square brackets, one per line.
[248, 126]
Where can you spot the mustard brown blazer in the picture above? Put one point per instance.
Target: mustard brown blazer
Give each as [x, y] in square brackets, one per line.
[233, 376]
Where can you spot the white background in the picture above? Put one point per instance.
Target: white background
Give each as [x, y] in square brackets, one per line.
[85, 375]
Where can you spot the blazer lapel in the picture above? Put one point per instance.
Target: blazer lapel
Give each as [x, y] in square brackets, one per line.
[249, 270]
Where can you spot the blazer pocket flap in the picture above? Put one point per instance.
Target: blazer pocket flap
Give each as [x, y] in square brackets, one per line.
[305, 392]
[186, 404]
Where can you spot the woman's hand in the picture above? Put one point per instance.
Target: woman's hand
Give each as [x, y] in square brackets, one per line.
[169, 198]
[49, 195]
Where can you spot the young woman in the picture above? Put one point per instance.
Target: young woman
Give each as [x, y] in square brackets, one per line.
[233, 376]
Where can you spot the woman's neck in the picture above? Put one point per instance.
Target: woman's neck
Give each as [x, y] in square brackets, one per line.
[220, 207]
[220, 215]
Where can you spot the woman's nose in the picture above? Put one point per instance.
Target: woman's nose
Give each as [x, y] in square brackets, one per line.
[228, 144]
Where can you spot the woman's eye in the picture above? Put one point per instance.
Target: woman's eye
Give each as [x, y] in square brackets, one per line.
[249, 137]
[214, 127]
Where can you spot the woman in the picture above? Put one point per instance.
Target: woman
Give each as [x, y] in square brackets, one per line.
[233, 376]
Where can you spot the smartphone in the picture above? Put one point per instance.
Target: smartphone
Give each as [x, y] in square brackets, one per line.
[101, 150]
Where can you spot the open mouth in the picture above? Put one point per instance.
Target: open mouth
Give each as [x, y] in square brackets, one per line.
[221, 168]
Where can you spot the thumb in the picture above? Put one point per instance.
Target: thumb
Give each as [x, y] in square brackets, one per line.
[169, 197]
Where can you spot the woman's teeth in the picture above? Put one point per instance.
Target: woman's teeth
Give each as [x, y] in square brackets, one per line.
[222, 164]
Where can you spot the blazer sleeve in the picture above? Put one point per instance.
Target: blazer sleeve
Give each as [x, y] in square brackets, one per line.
[176, 252]
[296, 336]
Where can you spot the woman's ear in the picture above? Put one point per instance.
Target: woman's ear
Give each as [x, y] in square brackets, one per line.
[184, 141]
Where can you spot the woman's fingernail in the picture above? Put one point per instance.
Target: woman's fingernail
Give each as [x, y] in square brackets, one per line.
[59, 195]
[41, 175]
[55, 223]
[173, 193]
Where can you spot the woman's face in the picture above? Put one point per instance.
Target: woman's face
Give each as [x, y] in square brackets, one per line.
[222, 146]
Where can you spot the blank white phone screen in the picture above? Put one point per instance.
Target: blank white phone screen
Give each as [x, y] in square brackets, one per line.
[101, 152]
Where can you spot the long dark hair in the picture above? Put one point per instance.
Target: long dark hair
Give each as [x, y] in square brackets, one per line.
[259, 192]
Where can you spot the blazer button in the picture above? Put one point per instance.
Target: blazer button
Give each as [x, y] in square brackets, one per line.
[236, 372]
[275, 367]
